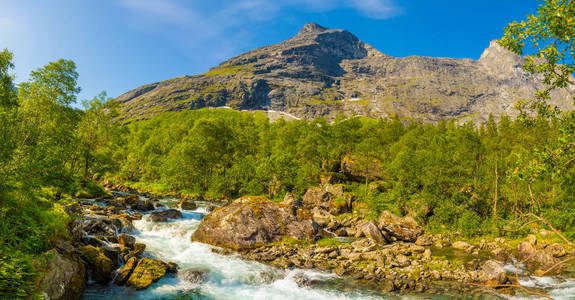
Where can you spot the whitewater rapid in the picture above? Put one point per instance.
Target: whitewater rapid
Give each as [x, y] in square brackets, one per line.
[230, 277]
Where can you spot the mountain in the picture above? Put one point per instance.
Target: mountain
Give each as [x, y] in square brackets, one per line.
[327, 72]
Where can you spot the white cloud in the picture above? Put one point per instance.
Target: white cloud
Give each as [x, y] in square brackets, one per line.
[222, 24]
[376, 9]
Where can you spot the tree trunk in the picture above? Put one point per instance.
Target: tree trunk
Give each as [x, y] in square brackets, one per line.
[495, 196]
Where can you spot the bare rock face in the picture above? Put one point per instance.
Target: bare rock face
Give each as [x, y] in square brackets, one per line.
[323, 72]
[253, 221]
[405, 229]
[64, 277]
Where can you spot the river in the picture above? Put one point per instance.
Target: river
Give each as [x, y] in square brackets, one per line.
[231, 277]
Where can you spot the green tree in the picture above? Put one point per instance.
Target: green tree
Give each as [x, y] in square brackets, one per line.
[549, 38]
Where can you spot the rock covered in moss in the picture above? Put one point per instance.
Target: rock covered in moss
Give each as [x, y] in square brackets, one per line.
[147, 272]
[252, 221]
[64, 276]
[125, 271]
[360, 168]
[98, 262]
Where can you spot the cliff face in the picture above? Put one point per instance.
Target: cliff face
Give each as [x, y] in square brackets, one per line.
[327, 72]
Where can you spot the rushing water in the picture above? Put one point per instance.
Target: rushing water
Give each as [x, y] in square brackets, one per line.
[231, 277]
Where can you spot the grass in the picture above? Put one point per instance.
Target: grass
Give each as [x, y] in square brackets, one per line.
[329, 242]
[231, 70]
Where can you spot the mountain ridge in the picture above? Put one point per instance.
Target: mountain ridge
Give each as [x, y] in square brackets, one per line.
[322, 72]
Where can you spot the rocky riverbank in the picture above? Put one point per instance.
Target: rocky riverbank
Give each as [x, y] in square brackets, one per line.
[101, 248]
[391, 254]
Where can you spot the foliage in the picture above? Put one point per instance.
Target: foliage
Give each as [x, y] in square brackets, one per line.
[42, 141]
[550, 35]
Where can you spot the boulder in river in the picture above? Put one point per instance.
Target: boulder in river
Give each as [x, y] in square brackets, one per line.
[63, 276]
[126, 240]
[147, 272]
[98, 262]
[164, 215]
[193, 275]
[493, 274]
[125, 271]
[538, 258]
[190, 203]
[405, 229]
[253, 221]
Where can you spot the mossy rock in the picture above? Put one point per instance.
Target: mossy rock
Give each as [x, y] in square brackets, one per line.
[125, 272]
[147, 272]
[98, 262]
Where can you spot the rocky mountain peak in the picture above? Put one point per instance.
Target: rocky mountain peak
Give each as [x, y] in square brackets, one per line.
[323, 72]
[499, 60]
[312, 28]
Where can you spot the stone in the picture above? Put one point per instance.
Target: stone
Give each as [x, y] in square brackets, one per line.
[317, 197]
[321, 216]
[189, 203]
[493, 273]
[403, 261]
[461, 245]
[405, 229]
[137, 251]
[364, 245]
[556, 250]
[532, 239]
[424, 240]
[537, 258]
[143, 205]
[426, 255]
[165, 215]
[97, 225]
[290, 199]
[254, 221]
[100, 264]
[63, 276]
[359, 168]
[126, 240]
[371, 231]
[193, 275]
[125, 271]
[146, 272]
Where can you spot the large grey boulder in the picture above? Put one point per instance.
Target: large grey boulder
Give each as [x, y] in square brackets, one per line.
[253, 221]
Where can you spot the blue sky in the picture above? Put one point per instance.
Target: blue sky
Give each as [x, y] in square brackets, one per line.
[119, 45]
